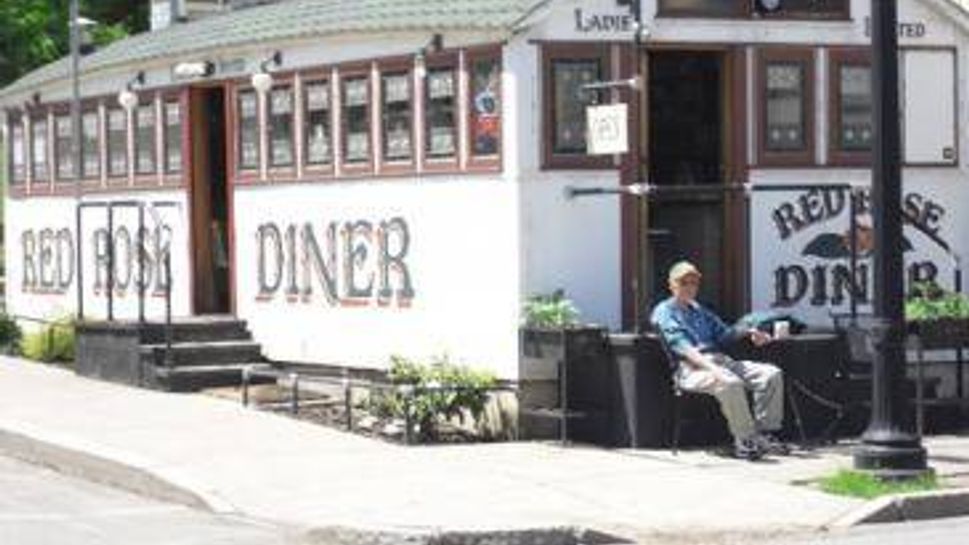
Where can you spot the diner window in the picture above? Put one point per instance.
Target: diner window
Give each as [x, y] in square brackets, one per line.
[316, 119]
[356, 116]
[821, 9]
[787, 115]
[90, 151]
[397, 117]
[145, 139]
[569, 102]
[807, 9]
[173, 137]
[440, 105]
[248, 130]
[281, 126]
[117, 143]
[39, 148]
[18, 152]
[62, 148]
[485, 96]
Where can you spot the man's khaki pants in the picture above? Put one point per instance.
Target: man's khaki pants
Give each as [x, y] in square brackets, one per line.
[764, 380]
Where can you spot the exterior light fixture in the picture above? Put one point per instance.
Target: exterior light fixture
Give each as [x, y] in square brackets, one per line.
[262, 81]
[127, 97]
[435, 45]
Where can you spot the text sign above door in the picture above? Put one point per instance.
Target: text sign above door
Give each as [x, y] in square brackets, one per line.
[608, 129]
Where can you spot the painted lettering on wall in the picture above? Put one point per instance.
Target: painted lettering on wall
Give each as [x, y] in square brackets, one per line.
[600, 22]
[906, 29]
[351, 263]
[49, 261]
[823, 276]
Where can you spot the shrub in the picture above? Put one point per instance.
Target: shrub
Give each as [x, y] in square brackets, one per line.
[439, 391]
[928, 301]
[53, 342]
[553, 310]
[10, 334]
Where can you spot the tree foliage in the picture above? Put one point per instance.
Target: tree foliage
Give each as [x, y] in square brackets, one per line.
[35, 32]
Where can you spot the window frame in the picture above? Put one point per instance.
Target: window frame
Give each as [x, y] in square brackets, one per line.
[241, 172]
[147, 99]
[15, 121]
[280, 172]
[322, 76]
[62, 112]
[444, 60]
[747, 9]
[743, 10]
[112, 177]
[795, 158]
[837, 58]
[87, 109]
[39, 115]
[352, 72]
[477, 162]
[399, 66]
[167, 99]
[568, 51]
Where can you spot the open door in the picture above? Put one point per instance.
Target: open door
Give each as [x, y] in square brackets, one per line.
[688, 146]
[209, 203]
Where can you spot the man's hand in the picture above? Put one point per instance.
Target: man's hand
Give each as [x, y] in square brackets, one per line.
[758, 337]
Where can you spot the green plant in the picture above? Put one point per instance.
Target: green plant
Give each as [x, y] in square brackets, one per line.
[928, 301]
[552, 310]
[10, 333]
[53, 342]
[864, 485]
[432, 393]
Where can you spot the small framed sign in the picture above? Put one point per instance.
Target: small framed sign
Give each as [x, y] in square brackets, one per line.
[608, 129]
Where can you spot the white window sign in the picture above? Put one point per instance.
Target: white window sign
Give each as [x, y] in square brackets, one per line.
[608, 129]
[929, 101]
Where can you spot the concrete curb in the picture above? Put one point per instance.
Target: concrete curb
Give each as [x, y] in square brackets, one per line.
[911, 506]
[117, 469]
[525, 536]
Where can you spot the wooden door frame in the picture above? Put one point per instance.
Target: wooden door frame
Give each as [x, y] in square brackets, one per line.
[634, 211]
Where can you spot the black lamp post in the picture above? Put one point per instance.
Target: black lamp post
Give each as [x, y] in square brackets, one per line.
[888, 448]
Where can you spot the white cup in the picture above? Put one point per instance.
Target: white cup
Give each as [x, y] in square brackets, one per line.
[782, 329]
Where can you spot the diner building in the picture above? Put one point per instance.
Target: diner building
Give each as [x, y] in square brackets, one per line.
[363, 178]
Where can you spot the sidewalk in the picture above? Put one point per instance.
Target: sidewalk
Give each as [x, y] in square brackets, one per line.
[214, 453]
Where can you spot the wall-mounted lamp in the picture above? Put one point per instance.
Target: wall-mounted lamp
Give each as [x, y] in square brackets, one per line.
[434, 45]
[262, 81]
[127, 98]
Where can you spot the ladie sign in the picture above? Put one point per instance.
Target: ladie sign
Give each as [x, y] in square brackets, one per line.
[603, 22]
[608, 129]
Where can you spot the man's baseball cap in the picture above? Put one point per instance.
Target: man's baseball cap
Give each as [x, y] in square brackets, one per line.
[682, 269]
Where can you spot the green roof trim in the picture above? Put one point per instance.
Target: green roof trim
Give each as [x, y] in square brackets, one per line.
[294, 19]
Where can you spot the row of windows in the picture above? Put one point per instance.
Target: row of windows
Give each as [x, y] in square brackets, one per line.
[49, 146]
[339, 107]
[828, 9]
[786, 80]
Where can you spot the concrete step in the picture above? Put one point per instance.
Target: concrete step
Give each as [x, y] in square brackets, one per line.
[197, 377]
[203, 353]
[207, 328]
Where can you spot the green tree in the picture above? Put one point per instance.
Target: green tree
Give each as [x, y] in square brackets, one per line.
[35, 32]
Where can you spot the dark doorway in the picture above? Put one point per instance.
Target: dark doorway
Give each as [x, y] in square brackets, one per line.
[210, 203]
[686, 148]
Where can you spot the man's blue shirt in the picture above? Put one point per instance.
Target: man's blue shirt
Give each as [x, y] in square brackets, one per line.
[689, 325]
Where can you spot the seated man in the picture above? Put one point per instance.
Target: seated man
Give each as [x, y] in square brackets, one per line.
[697, 337]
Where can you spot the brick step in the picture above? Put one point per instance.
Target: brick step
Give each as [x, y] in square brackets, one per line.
[203, 353]
[196, 330]
[197, 377]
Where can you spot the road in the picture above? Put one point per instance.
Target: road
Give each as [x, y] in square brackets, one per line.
[952, 531]
[41, 507]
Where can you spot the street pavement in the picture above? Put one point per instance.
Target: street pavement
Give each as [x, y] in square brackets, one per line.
[41, 507]
[337, 486]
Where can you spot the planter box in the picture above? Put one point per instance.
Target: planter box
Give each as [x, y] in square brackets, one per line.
[941, 332]
[581, 355]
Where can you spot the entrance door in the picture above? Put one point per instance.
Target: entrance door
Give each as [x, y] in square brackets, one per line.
[209, 203]
[686, 148]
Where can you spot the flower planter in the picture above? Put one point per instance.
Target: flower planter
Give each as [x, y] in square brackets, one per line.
[941, 332]
[579, 406]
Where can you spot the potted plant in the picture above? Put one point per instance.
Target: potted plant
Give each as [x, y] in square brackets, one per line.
[563, 372]
[939, 318]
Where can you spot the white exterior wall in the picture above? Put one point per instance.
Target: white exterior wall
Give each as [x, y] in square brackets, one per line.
[461, 258]
[41, 272]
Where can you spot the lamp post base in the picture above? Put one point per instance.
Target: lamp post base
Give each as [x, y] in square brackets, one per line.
[892, 458]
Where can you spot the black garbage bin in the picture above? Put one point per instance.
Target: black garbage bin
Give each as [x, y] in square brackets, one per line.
[640, 391]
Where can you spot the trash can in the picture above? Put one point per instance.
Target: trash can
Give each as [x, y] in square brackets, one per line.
[640, 392]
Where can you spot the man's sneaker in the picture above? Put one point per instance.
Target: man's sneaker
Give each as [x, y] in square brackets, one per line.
[747, 449]
[771, 444]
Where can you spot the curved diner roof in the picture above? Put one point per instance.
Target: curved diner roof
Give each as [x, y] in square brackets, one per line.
[293, 19]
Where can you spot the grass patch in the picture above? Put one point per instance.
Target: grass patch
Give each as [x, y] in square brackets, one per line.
[863, 485]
